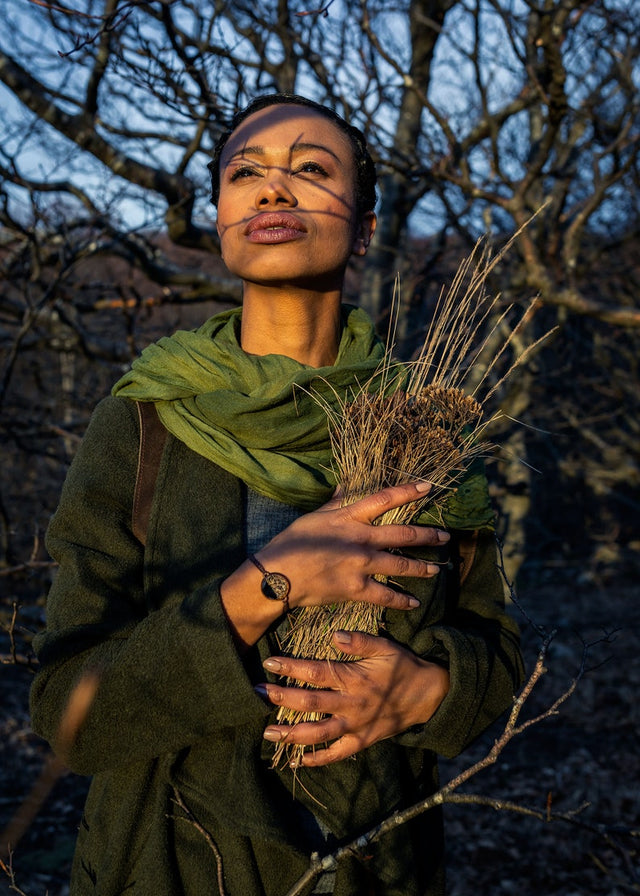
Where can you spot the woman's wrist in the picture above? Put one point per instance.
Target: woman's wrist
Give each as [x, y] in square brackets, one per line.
[433, 688]
[249, 612]
[274, 585]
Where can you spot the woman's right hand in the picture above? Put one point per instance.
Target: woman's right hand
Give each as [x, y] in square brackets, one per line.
[332, 554]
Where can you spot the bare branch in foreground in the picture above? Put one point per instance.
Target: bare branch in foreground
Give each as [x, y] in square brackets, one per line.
[7, 868]
[191, 819]
[447, 793]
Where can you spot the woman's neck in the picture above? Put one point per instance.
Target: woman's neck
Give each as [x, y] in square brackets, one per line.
[302, 325]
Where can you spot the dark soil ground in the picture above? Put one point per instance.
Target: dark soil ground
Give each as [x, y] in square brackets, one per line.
[583, 762]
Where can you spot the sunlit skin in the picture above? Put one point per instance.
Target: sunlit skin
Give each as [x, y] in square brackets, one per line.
[288, 226]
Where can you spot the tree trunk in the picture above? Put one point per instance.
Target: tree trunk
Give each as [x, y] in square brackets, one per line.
[385, 256]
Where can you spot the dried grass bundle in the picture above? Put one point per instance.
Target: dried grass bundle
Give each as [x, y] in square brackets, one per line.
[411, 423]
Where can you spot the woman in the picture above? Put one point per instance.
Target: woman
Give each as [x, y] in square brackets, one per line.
[176, 643]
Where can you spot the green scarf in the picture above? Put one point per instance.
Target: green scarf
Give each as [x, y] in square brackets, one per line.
[255, 415]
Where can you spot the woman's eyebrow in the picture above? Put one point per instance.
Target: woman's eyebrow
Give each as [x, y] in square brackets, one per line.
[295, 147]
[247, 151]
[305, 147]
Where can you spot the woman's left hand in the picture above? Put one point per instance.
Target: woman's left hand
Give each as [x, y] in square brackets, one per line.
[385, 692]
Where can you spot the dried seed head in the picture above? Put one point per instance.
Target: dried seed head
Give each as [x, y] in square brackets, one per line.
[383, 440]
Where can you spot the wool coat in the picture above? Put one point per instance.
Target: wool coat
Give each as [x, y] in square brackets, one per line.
[183, 798]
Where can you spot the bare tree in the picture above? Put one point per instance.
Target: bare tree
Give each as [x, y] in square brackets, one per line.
[479, 112]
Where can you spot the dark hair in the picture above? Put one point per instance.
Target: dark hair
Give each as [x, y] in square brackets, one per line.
[365, 169]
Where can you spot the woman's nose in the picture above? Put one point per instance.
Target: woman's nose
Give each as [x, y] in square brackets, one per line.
[274, 190]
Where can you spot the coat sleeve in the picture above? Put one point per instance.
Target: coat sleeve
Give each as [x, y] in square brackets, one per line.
[121, 682]
[478, 640]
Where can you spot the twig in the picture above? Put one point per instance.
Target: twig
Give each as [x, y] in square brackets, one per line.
[12, 632]
[446, 794]
[477, 799]
[512, 592]
[110, 21]
[623, 884]
[29, 564]
[321, 11]
[189, 817]
[8, 870]
[14, 658]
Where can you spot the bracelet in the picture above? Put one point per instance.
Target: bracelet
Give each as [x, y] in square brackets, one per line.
[275, 585]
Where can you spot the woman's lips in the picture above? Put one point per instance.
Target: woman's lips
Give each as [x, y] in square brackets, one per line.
[274, 227]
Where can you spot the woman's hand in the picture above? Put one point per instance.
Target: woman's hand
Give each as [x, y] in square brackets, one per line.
[332, 554]
[387, 691]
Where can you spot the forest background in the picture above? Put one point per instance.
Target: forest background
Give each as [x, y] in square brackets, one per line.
[479, 114]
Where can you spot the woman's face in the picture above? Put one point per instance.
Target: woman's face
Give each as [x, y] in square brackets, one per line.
[287, 211]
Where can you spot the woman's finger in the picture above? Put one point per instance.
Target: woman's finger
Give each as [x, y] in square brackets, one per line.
[399, 536]
[304, 700]
[317, 673]
[342, 748]
[308, 734]
[372, 507]
[390, 566]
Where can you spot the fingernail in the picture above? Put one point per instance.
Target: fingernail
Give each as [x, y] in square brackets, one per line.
[342, 637]
[261, 691]
[423, 486]
[295, 763]
[272, 734]
[272, 664]
[443, 536]
[414, 602]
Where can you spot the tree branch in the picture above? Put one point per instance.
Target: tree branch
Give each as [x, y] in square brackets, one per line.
[446, 794]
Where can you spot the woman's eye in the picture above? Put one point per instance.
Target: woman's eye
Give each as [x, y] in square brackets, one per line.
[243, 171]
[310, 168]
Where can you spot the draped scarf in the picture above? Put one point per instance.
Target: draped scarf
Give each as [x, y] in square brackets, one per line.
[264, 417]
[255, 416]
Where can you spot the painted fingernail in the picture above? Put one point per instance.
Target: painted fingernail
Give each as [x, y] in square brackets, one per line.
[342, 637]
[272, 664]
[261, 691]
[423, 486]
[414, 602]
[272, 734]
[443, 536]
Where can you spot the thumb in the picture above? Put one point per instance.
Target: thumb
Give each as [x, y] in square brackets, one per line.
[360, 644]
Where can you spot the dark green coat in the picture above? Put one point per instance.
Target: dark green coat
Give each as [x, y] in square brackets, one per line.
[175, 705]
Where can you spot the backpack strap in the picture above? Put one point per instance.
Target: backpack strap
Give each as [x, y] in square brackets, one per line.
[153, 436]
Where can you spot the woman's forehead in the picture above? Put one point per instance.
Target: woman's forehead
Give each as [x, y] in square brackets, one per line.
[287, 126]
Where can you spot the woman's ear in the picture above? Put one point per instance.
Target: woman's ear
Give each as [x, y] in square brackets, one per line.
[364, 233]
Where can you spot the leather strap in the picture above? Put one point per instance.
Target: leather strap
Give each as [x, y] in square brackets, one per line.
[153, 436]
